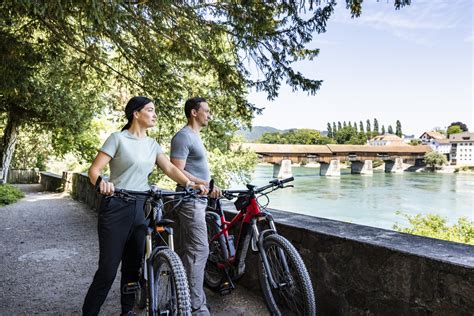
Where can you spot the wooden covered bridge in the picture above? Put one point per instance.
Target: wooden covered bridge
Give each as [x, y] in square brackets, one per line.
[329, 156]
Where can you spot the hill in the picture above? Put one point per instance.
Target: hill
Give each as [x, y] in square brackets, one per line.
[256, 132]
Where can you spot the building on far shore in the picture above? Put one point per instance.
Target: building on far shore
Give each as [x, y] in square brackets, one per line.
[386, 140]
[438, 142]
[427, 137]
[462, 149]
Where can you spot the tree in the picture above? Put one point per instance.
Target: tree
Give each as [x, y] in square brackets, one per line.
[435, 159]
[344, 124]
[339, 126]
[295, 136]
[414, 142]
[454, 129]
[383, 129]
[166, 50]
[361, 127]
[334, 130]
[346, 135]
[368, 127]
[435, 226]
[398, 129]
[390, 129]
[42, 90]
[460, 124]
[329, 130]
[376, 127]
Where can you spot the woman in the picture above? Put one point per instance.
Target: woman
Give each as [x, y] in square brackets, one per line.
[121, 224]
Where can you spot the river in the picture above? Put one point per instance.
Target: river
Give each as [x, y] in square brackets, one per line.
[372, 200]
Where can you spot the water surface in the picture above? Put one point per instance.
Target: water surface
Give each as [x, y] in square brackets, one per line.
[372, 200]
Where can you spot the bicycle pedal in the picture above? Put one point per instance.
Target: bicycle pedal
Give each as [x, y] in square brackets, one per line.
[225, 288]
[130, 288]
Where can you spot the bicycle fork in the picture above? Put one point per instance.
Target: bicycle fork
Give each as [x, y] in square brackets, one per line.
[257, 245]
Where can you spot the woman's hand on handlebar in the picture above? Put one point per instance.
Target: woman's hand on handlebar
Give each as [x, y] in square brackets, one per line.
[106, 188]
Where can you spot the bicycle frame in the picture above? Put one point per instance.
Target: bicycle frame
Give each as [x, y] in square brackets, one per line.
[249, 213]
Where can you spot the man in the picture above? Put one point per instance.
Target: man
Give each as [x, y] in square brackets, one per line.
[190, 156]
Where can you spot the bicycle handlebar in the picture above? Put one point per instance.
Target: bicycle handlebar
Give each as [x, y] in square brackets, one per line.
[251, 189]
[154, 191]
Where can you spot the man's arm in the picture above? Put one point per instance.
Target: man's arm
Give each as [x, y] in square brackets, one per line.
[180, 164]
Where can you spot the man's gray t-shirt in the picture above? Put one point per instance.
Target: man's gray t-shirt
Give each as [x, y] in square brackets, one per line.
[187, 145]
[133, 159]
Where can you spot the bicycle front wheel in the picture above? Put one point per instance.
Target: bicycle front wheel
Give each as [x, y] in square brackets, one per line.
[170, 285]
[294, 293]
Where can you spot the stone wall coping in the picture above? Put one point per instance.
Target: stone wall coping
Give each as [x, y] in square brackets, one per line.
[50, 174]
[431, 248]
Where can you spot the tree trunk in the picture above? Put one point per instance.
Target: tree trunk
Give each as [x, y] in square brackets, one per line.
[10, 136]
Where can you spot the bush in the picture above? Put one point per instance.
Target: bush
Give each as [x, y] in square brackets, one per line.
[9, 194]
[435, 226]
[377, 163]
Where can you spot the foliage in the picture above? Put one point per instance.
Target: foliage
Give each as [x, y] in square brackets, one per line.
[65, 60]
[460, 124]
[9, 194]
[464, 168]
[398, 129]
[414, 142]
[453, 129]
[390, 129]
[234, 166]
[435, 159]
[296, 136]
[376, 126]
[436, 226]
[377, 163]
[329, 128]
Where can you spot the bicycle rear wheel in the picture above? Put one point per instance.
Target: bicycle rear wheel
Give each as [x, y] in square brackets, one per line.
[294, 293]
[213, 276]
[170, 285]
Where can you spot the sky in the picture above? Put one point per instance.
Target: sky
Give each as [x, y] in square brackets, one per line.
[414, 65]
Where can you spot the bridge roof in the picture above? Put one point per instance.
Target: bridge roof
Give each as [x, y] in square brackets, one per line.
[332, 148]
[286, 148]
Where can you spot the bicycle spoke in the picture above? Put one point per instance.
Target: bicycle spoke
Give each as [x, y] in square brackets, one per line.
[164, 287]
[287, 292]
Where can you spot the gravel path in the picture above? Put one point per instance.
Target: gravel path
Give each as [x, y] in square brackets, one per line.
[48, 255]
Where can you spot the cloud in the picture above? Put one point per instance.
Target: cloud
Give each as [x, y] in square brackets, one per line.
[469, 38]
[418, 22]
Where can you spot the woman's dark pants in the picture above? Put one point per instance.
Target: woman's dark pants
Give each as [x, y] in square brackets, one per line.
[121, 228]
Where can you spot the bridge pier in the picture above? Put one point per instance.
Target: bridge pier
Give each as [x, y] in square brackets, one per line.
[364, 168]
[394, 166]
[282, 170]
[332, 169]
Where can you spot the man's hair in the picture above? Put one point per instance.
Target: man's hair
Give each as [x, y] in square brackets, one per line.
[192, 104]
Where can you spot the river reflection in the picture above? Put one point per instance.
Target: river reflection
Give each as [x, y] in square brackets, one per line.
[373, 200]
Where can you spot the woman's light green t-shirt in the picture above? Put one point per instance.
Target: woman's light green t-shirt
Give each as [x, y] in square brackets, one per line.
[133, 159]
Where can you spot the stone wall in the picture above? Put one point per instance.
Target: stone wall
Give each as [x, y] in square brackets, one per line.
[51, 181]
[23, 176]
[360, 270]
